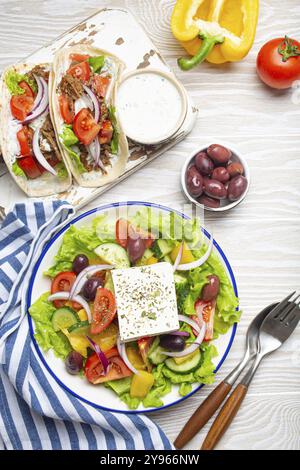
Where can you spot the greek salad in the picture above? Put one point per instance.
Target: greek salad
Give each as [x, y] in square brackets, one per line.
[134, 304]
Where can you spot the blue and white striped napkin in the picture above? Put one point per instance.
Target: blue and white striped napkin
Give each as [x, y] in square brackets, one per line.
[35, 412]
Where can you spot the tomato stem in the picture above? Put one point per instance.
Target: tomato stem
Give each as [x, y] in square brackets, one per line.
[288, 49]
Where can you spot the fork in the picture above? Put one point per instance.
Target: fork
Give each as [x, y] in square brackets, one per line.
[274, 331]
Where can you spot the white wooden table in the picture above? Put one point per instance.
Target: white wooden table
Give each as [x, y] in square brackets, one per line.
[261, 237]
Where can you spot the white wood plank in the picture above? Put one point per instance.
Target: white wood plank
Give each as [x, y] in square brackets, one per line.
[261, 236]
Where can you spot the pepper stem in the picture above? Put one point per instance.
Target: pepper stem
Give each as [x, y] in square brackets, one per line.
[206, 47]
[288, 49]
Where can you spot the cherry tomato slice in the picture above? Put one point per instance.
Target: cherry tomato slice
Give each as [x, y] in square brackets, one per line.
[79, 57]
[207, 311]
[104, 310]
[63, 283]
[66, 107]
[30, 167]
[27, 89]
[85, 127]
[117, 368]
[101, 85]
[24, 136]
[122, 227]
[20, 106]
[106, 132]
[81, 71]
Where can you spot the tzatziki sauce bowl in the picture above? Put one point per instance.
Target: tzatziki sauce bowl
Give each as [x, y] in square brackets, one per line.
[152, 105]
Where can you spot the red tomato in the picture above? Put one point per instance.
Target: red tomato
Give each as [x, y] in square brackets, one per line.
[278, 62]
[104, 310]
[207, 311]
[63, 283]
[66, 107]
[106, 132]
[78, 57]
[81, 71]
[148, 237]
[144, 345]
[30, 167]
[122, 226]
[101, 84]
[27, 89]
[20, 106]
[85, 127]
[117, 368]
[24, 137]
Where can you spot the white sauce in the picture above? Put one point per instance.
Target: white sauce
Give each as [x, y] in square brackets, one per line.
[149, 106]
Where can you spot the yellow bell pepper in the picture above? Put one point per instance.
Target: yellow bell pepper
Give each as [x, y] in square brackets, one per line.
[141, 384]
[186, 257]
[135, 358]
[216, 30]
[152, 260]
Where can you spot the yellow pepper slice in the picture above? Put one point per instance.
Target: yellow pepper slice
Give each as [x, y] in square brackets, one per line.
[141, 384]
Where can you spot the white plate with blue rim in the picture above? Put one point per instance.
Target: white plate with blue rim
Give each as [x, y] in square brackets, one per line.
[100, 396]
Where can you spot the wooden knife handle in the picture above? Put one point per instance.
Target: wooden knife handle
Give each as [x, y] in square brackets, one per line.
[225, 417]
[202, 414]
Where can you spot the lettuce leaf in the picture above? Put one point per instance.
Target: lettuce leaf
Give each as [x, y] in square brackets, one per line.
[17, 170]
[69, 141]
[76, 240]
[61, 170]
[185, 389]
[12, 80]
[114, 145]
[97, 62]
[41, 312]
[131, 402]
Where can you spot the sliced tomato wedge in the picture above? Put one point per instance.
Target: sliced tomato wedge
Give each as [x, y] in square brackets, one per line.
[81, 71]
[63, 283]
[144, 345]
[104, 310]
[27, 89]
[24, 136]
[101, 84]
[207, 311]
[79, 57]
[20, 106]
[85, 127]
[30, 167]
[66, 107]
[106, 132]
[117, 368]
[122, 227]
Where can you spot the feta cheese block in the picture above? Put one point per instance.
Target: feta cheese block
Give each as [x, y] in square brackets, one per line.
[146, 301]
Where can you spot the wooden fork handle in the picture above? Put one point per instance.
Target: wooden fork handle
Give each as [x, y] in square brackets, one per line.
[225, 417]
[202, 414]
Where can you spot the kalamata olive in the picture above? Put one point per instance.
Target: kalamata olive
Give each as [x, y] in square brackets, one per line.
[221, 174]
[90, 287]
[218, 153]
[135, 248]
[235, 169]
[80, 263]
[215, 189]
[211, 289]
[209, 201]
[191, 171]
[204, 163]
[236, 188]
[172, 342]
[74, 362]
[195, 184]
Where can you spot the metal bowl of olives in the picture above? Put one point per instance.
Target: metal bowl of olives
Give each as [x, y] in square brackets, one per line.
[215, 177]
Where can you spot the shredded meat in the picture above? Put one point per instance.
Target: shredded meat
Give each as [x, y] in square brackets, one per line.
[40, 71]
[105, 155]
[84, 158]
[71, 87]
[48, 133]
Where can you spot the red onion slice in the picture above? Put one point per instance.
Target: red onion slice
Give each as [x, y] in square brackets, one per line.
[101, 356]
[178, 257]
[122, 351]
[95, 102]
[41, 106]
[200, 261]
[189, 321]
[77, 298]
[38, 154]
[195, 345]
[180, 333]
[81, 278]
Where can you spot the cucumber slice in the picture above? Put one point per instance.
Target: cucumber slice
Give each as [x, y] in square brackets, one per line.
[64, 317]
[120, 386]
[147, 255]
[81, 328]
[188, 366]
[162, 247]
[112, 253]
[155, 353]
